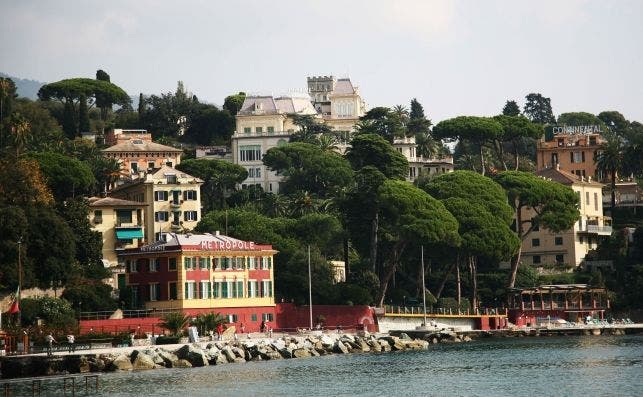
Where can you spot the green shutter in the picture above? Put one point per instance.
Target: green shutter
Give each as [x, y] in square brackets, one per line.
[224, 290]
[240, 289]
[186, 290]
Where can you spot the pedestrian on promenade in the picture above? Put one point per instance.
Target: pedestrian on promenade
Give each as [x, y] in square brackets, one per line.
[70, 343]
[50, 341]
[242, 328]
[219, 331]
[263, 326]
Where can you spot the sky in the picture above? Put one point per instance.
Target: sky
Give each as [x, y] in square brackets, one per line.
[455, 57]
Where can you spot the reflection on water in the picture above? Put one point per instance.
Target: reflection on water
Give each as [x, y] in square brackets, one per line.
[570, 366]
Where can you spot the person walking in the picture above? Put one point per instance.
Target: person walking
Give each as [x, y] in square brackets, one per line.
[70, 343]
[219, 331]
[50, 341]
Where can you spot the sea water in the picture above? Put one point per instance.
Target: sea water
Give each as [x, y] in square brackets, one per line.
[528, 366]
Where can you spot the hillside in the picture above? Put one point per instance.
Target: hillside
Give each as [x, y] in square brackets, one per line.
[26, 88]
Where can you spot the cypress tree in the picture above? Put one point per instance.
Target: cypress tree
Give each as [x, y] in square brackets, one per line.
[83, 116]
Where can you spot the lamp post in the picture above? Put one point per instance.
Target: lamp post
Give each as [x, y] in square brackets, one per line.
[19, 280]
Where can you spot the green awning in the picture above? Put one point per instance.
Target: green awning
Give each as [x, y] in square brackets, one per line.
[128, 234]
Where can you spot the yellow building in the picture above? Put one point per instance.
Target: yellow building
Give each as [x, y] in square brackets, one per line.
[121, 224]
[543, 247]
[201, 273]
[173, 200]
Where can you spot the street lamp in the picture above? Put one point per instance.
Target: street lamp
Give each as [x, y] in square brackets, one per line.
[19, 279]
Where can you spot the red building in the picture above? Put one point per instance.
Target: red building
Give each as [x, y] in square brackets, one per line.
[204, 273]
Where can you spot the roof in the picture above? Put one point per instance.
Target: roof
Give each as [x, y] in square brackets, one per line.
[205, 242]
[262, 105]
[138, 145]
[344, 87]
[113, 202]
[564, 177]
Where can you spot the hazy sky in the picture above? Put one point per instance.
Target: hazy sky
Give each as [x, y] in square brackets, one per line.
[456, 57]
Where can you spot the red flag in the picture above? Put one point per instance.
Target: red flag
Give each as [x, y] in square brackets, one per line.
[15, 306]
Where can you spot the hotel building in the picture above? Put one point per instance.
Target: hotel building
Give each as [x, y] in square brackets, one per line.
[544, 247]
[202, 273]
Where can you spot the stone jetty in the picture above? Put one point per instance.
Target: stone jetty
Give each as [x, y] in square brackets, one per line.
[205, 353]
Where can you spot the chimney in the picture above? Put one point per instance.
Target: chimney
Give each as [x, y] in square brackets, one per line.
[589, 179]
[216, 233]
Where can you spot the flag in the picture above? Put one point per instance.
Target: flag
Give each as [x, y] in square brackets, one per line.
[15, 305]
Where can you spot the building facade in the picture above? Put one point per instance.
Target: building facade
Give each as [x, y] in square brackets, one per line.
[572, 149]
[200, 273]
[173, 200]
[138, 155]
[338, 101]
[543, 247]
[264, 122]
[121, 225]
[419, 165]
[120, 135]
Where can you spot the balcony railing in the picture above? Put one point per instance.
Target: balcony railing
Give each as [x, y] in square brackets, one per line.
[601, 230]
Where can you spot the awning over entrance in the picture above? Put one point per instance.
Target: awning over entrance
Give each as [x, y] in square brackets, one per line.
[129, 233]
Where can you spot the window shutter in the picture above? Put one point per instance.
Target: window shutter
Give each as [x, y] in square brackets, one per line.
[186, 290]
[571, 157]
[583, 156]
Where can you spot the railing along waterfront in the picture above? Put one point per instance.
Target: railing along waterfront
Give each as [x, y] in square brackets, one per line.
[418, 310]
[134, 313]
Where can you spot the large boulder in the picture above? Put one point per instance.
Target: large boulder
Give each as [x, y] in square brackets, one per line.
[229, 354]
[374, 345]
[340, 348]
[122, 363]
[327, 341]
[169, 358]
[301, 353]
[180, 363]
[143, 361]
[194, 354]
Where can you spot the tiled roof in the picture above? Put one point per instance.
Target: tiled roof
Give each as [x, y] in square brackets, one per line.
[564, 177]
[113, 202]
[137, 145]
[258, 105]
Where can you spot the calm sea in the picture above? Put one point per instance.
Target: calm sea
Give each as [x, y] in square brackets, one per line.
[547, 366]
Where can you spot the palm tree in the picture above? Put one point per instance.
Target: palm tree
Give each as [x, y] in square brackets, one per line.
[20, 129]
[609, 159]
[208, 322]
[402, 113]
[328, 143]
[426, 145]
[175, 322]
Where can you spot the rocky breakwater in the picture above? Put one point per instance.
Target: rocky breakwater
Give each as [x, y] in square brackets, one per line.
[202, 354]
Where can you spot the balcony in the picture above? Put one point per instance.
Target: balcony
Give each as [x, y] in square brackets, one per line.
[596, 229]
[176, 204]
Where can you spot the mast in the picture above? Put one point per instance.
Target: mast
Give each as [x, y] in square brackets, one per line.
[423, 287]
[310, 291]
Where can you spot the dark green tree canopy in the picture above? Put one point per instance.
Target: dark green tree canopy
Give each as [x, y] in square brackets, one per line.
[373, 150]
[511, 109]
[471, 128]
[72, 89]
[615, 121]
[310, 128]
[308, 168]
[66, 176]
[515, 127]
[538, 109]
[233, 103]
[473, 187]
[384, 122]
[579, 118]
[218, 176]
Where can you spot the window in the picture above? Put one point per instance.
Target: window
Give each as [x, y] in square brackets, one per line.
[189, 216]
[159, 236]
[161, 216]
[560, 258]
[535, 242]
[171, 264]
[580, 202]
[123, 216]
[189, 195]
[266, 289]
[188, 263]
[150, 165]
[226, 289]
[258, 130]
[271, 130]
[258, 172]
[595, 201]
[170, 178]
[205, 290]
[134, 167]
[190, 290]
[247, 130]
[251, 263]
[216, 289]
[558, 240]
[239, 289]
[155, 292]
[252, 288]
[98, 216]
[216, 263]
[155, 264]
[536, 259]
[267, 317]
[233, 318]
[132, 266]
[160, 196]
[253, 317]
[535, 225]
[251, 172]
[176, 215]
[172, 290]
[577, 157]
[266, 262]
[250, 153]
[204, 263]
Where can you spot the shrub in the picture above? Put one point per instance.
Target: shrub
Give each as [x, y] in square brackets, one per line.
[167, 340]
[175, 322]
[56, 313]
